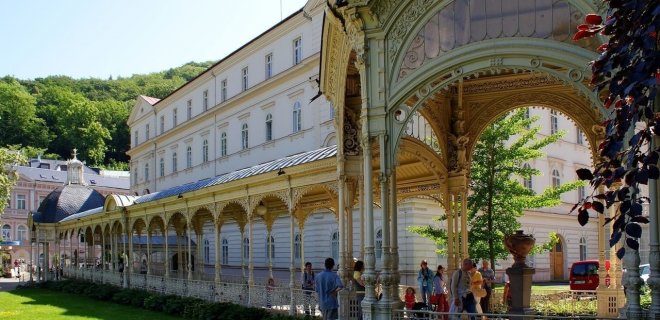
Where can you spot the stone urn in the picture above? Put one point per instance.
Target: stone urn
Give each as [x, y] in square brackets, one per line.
[519, 245]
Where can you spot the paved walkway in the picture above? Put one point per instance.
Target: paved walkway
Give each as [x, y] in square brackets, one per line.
[8, 284]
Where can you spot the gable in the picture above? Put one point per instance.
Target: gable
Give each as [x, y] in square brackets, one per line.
[143, 106]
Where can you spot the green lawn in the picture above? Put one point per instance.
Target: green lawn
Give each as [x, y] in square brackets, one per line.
[34, 304]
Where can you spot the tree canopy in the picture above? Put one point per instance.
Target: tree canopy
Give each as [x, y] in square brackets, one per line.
[626, 74]
[58, 113]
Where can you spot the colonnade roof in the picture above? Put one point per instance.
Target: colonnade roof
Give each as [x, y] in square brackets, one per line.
[271, 166]
[275, 165]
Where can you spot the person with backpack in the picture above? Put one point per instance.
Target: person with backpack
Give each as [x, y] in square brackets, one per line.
[307, 280]
[461, 296]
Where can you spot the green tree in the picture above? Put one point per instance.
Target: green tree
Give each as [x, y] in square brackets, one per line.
[8, 176]
[18, 121]
[497, 197]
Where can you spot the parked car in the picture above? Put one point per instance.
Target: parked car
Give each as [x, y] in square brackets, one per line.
[584, 275]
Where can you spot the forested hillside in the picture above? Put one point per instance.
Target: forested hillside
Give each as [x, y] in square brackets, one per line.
[55, 114]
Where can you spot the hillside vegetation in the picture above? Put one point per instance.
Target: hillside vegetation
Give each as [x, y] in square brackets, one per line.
[55, 114]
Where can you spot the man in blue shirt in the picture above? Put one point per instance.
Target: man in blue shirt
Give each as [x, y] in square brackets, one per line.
[328, 284]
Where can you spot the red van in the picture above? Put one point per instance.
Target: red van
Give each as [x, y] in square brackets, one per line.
[584, 275]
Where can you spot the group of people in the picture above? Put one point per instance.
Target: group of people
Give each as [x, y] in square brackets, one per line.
[469, 289]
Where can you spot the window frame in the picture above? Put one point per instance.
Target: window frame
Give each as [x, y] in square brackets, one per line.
[162, 167]
[297, 51]
[223, 90]
[223, 144]
[269, 66]
[146, 172]
[245, 84]
[175, 162]
[175, 117]
[245, 138]
[205, 100]
[297, 117]
[189, 109]
[205, 151]
[225, 251]
[21, 202]
[556, 178]
[189, 157]
[554, 122]
[269, 127]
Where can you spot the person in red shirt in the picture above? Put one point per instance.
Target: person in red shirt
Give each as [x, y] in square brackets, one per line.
[410, 298]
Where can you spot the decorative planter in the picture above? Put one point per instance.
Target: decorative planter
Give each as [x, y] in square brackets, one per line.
[519, 245]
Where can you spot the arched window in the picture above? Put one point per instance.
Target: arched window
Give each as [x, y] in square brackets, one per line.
[556, 180]
[583, 248]
[379, 243]
[244, 136]
[207, 251]
[297, 117]
[225, 251]
[189, 157]
[297, 246]
[272, 248]
[21, 233]
[246, 248]
[6, 232]
[162, 167]
[174, 163]
[527, 181]
[205, 151]
[223, 144]
[269, 127]
[554, 122]
[146, 172]
[335, 245]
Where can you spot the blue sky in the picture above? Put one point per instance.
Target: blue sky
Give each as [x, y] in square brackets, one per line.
[96, 38]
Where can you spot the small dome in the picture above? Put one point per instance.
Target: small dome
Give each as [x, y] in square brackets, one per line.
[67, 200]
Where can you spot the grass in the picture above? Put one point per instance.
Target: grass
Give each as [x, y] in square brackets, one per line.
[32, 304]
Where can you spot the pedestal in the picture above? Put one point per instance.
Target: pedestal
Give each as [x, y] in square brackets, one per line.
[520, 282]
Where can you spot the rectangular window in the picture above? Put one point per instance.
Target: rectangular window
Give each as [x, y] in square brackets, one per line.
[297, 50]
[135, 139]
[223, 90]
[146, 132]
[205, 100]
[162, 124]
[269, 65]
[189, 104]
[244, 82]
[174, 118]
[20, 202]
[579, 139]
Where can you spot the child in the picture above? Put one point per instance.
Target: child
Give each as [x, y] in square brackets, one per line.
[270, 285]
[410, 298]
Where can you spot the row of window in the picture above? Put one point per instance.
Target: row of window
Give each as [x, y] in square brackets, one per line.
[245, 144]
[554, 126]
[556, 181]
[21, 233]
[245, 85]
[297, 247]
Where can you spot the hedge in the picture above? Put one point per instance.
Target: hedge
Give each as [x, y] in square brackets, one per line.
[186, 307]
